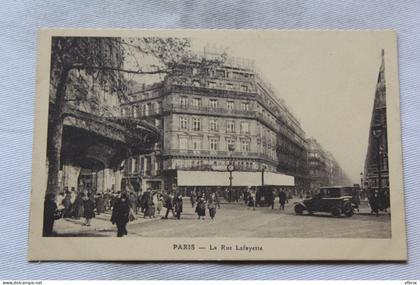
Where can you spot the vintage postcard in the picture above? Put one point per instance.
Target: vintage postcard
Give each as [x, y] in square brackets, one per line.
[217, 145]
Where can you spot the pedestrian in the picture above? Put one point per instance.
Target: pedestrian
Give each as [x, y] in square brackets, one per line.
[133, 202]
[216, 199]
[67, 205]
[148, 204]
[252, 199]
[169, 205]
[159, 202]
[100, 205]
[178, 205]
[193, 198]
[271, 198]
[89, 207]
[145, 199]
[59, 201]
[201, 207]
[374, 202]
[121, 214]
[50, 215]
[78, 206]
[212, 206]
[282, 199]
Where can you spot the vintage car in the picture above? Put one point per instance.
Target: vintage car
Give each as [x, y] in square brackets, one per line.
[336, 200]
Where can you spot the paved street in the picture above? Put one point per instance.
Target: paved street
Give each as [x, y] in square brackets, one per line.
[236, 220]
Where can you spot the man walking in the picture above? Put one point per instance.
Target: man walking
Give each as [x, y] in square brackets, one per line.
[120, 214]
[169, 205]
[282, 199]
[178, 205]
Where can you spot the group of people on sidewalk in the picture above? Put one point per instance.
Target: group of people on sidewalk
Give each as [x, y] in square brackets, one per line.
[250, 198]
[201, 202]
[125, 206]
[69, 205]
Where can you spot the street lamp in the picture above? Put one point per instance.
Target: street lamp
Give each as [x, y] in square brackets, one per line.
[361, 186]
[263, 168]
[230, 166]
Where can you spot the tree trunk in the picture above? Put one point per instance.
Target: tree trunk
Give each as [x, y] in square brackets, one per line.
[55, 134]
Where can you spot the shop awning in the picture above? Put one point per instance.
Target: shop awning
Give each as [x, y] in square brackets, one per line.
[240, 178]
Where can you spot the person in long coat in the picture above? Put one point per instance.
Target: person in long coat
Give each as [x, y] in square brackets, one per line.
[193, 198]
[201, 208]
[178, 205]
[100, 205]
[78, 206]
[282, 199]
[67, 205]
[144, 200]
[133, 202]
[149, 209]
[159, 203]
[212, 206]
[50, 208]
[120, 214]
[106, 198]
[169, 205]
[88, 209]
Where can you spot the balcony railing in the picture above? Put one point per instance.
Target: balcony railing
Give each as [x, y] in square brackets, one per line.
[208, 110]
[209, 167]
[211, 153]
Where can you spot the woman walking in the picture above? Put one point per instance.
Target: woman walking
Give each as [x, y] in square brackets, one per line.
[89, 207]
[159, 203]
[79, 209]
[201, 208]
[149, 210]
[212, 206]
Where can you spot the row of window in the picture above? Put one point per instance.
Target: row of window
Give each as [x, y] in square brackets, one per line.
[142, 164]
[219, 85]
[213, 125]
[186, 163]
[185, 101]
[214, 144]
[141, 110]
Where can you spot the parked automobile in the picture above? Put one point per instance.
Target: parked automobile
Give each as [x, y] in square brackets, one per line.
[336, 200]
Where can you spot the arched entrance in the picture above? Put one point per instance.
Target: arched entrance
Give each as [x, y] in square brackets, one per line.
[91, 176]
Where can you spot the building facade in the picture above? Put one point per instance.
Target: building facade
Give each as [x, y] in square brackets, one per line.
[94, 141]
[226, 114]
[323, 168]
[376, 171]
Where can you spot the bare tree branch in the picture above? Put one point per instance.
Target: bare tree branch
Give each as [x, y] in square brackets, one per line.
[112, 68]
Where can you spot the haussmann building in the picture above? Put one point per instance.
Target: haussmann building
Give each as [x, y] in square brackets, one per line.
[228, 115]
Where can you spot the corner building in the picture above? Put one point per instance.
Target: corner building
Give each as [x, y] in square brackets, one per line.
[209, 119]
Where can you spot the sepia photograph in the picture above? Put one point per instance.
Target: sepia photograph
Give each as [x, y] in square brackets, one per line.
[185, 135]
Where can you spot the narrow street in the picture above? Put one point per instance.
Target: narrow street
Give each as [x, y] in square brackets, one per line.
[236, 220]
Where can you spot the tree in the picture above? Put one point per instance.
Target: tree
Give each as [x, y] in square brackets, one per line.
[83, 62]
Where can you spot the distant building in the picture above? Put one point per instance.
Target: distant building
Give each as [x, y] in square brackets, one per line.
[324, 170]
[226, 114]
[376, 172]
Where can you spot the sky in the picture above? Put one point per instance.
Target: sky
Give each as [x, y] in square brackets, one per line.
[327, 79]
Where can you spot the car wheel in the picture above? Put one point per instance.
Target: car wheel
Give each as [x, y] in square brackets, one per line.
[348, 210]
[299, 209]
[336, 212]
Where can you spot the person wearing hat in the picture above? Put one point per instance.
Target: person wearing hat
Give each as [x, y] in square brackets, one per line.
[50, 209]
[201, 207]
[120, 214]
[178, 205]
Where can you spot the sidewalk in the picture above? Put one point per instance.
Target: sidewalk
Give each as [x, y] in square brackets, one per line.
[100, 225]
